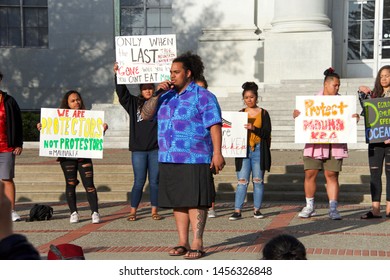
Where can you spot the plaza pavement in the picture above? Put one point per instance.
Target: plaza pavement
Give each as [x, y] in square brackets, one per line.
[147, 239]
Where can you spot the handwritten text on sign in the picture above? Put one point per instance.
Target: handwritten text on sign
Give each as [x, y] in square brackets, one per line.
[325, 119]
[144, 59]
[71, 133]
[234, 135]
[377, 119]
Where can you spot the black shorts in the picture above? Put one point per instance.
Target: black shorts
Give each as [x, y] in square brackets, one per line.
[185, 186]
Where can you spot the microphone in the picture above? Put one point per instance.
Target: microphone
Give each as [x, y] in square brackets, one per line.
[158, 92]
[161, 90]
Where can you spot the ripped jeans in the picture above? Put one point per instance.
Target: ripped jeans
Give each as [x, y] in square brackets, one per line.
[250, 164]
[377, 153]
[85, 167]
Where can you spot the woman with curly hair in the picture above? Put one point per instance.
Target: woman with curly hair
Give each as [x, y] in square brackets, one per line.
[378, 152]
[70, 166]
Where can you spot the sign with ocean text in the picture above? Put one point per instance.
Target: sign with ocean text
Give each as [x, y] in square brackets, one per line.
[325, 119]
[234, 135]
[71, 133]
[144, 59]
[377, 119]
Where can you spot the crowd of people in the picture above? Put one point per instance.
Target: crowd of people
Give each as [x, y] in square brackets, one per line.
[175, 132]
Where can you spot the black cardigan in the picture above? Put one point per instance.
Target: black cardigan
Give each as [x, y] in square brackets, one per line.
[264, 132]
[142, 134]
[13, 121]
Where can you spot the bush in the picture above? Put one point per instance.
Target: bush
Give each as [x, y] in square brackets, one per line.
[30, 120]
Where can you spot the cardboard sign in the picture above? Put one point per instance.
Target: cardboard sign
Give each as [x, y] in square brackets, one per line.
[377, 119]
[71, 133]
[234, 135]
[144, 59]
[326, 119]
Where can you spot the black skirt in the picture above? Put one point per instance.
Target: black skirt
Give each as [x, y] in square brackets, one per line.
[185, 186]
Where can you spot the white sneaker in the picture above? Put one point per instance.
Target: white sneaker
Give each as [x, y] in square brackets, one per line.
[211, 213]
[74, 218]
[334, 214]
[15, 216]
[307, 212]
[95, 218]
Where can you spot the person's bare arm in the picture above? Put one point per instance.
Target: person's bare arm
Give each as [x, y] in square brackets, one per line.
[217, 162]
[149, 108]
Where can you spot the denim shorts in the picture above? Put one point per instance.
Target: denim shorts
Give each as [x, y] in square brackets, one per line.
[329, 164]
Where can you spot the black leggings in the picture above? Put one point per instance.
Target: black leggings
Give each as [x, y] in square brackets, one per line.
[377, 153]
[85, 168]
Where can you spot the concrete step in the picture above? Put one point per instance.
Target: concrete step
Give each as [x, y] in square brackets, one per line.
[114, 183]
[321, 197]
[281, 181]
[269, 196]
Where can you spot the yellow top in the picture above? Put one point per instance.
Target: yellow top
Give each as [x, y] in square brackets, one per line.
[253, 138]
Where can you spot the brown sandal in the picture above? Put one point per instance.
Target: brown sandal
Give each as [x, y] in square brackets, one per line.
[132, 218]
[194, 254]
[178, 251]
[156, 217]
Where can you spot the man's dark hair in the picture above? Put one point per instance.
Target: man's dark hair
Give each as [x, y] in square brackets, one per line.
[284, 247]
[191, 62]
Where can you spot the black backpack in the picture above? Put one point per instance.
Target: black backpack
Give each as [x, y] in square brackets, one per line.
[40, 212]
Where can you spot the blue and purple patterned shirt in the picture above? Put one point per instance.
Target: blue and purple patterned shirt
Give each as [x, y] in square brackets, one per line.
[184, 122]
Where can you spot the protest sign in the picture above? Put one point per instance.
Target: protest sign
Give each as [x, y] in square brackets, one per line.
[144, 59]
[377, 119]
[325, 119]
[71, 133]
[234, 135]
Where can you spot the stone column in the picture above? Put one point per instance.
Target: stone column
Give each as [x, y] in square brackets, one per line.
[300, 16]
[231, 46]
[300, 43]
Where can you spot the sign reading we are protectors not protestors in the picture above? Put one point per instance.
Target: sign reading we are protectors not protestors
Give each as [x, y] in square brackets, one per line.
[71, 133]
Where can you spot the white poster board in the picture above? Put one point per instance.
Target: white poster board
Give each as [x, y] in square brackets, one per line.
[144, 59]
[234, 135]
[326, 119]
[71, 133]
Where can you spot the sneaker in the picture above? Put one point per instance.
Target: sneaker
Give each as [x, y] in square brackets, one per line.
[95, 218]
[258, 215]
[211, 213]
[334, 214]
[235, 216]
[74, 218]
[15, 216]
[307, 212]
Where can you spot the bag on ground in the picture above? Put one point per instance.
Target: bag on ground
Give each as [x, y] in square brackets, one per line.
[40, 212]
